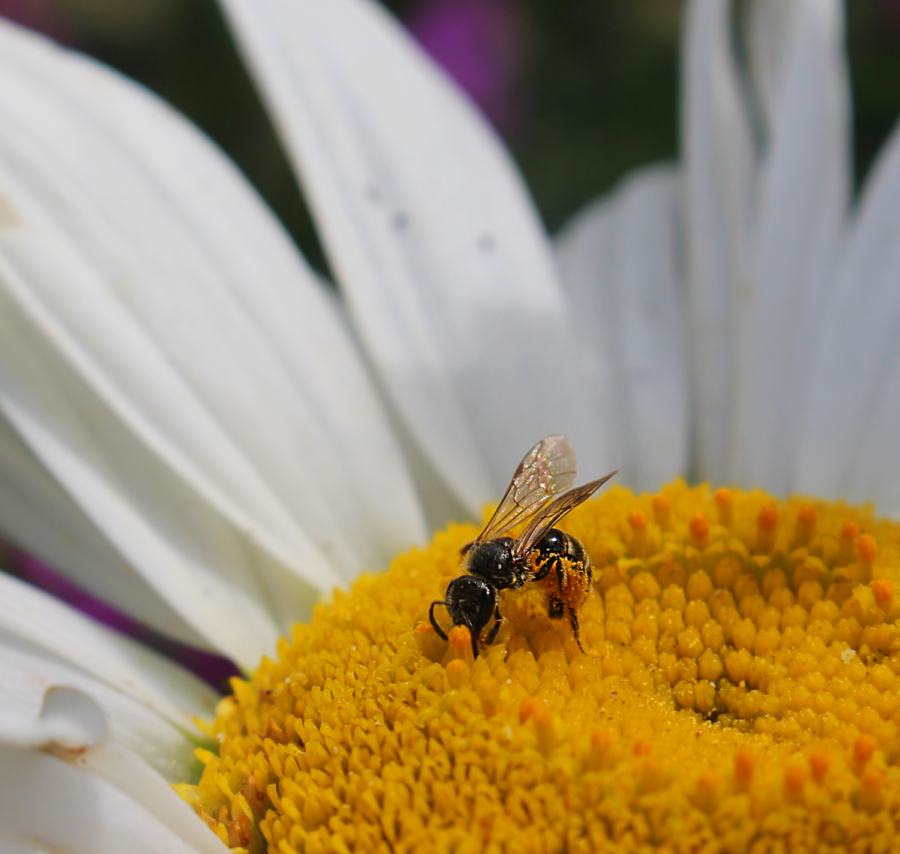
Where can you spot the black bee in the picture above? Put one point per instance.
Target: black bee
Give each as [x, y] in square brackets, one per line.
[540, 493]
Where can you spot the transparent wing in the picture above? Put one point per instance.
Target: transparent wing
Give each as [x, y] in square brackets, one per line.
[546, 470]
[550, 514]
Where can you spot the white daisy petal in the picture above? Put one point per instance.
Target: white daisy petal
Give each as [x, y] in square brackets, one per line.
[149, 678]
[237, 377]
[847, 446]
[191, 557]
[48, 805]
[129, 774]
[8, 847]
[72, 726]
[448, 276]
[770, 25]
[27, 671]
[618, 262]
[718, 164]
[804, 187]
[43, 520]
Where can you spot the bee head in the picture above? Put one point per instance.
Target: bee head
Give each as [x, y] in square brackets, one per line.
[471, 602]
[491, 561]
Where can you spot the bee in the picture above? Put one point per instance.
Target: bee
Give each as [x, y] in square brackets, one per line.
[540, 493]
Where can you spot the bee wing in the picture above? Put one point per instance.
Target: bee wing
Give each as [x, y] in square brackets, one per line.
[546, 470]
[550, 514]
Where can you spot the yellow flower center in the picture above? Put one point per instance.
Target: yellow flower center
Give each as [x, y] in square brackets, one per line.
[740, 691]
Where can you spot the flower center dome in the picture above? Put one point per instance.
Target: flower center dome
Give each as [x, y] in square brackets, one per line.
[741, 689]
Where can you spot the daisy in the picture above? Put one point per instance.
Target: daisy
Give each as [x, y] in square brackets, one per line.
[188, 429]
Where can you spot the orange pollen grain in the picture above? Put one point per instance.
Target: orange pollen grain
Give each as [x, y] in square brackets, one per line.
[642, 748]
[883, 591]
[725, 506]
[529, 708]
[863, 749]
[868, 550]
[637, 519]
[699, 526]
[767, 518]
[870, 795]
[744, 762]
[460, 643]
[806, 525]
[766, 523]
[708, 779]
[707, 789]
[601, 739]
[640, 544]
[819, 764]
[872, 779]
[794, 779]
[661, 510]
[850, 530]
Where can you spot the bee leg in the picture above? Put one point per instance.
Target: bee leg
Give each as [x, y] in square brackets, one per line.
[560, 575]
[434, 624]
[573, 620]
[474, 635]
[555, 607]
[542, 570]
[492, 634]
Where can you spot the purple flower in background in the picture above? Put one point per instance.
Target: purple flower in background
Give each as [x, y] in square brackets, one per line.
[212, 668]
[45, 16]
[481, 44]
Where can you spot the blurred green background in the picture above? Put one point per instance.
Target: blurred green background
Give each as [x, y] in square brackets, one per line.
[582, 90]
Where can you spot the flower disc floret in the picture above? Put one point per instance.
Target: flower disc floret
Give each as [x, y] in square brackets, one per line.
[740, 691]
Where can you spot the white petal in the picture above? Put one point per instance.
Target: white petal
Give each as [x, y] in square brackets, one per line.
[8, 847]
[448, 275]
[804, 189]
[129, 774]
[183, 548]
[42, 519]
[718, 163]
[848, 444]
[237, 374]
[770, 25]
[149, 678]
[70, 720]
[48, 804]
[26, 672]
[73, 727]
[618, 262]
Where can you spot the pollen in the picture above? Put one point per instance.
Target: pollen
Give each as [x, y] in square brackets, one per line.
[739, 691]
